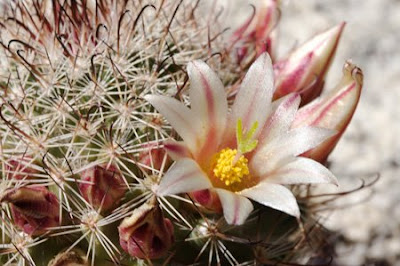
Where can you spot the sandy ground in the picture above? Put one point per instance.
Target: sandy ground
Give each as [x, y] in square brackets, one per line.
[371, 144]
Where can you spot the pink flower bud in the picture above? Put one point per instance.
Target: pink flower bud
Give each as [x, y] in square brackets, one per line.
[146, 234]
[333, 110]
[304, 69]
[258, 33]
[34, 209]
[102, 187]
[208, 199]
[20, 168]
[152, 156]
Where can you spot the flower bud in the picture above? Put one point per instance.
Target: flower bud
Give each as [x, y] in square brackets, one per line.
[304, 69]
[146, 234]
[34, 209]
[333, 110]
[258, 33]
[20, 168]
[152, 156]
[70, 258]
[208, 199]
[102, 187]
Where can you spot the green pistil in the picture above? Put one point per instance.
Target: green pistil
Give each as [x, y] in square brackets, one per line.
[246, 143]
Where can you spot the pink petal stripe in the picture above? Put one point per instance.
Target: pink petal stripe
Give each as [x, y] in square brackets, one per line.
[236, 208]
[274, 196]
[208, 104]
[184, 176]
[176, 149]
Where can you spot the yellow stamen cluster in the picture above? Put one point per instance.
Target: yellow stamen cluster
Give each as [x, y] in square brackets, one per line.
[228, 168]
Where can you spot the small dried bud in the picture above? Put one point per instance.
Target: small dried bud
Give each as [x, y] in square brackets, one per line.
[208, 199]
[34, 209]
[258, 33]
[333, 110]
[70, 258]
[102, 187]
[304, 69]
[20, 168]
[146, 234]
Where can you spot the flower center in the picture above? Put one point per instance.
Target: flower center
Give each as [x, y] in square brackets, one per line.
[230, 169]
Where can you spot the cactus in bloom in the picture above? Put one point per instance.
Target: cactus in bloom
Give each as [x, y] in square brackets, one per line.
[104, 163]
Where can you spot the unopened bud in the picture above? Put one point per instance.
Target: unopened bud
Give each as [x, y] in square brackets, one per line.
[70, 258]
[258, 33]
[304, 69]
[20, 168]
[146, 234]
[102, 187]
[153, 156]
[208, 199]
[34, 209]
[333, 110]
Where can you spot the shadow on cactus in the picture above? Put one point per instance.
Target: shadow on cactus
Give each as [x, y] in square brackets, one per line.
[103, 162]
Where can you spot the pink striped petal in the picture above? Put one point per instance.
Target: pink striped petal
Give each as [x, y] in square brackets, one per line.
[184, 176]
[253, 101]
[333, 110]
[302, 171]
[176, 149]
[179, 116]
[236, 208]
[280, 120]
[286, 146]
[274, 196]
[208, 104]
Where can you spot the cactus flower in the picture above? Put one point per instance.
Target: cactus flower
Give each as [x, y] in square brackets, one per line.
[146, 234]
[247, 153]
[304, 69]
[34, 209]
[333, 110]
[102, 187]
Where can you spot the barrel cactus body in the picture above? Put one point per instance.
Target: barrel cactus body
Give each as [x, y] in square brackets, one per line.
[99, 168]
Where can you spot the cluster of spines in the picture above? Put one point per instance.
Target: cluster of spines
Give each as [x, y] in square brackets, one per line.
[71, 100]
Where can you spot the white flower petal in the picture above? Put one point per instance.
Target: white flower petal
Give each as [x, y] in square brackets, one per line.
[274, 196]
[176, 149]
[280, 121]
[208, 102]
[286, 146]
[253, 101]
[184, 176]
[179, 116]
[236, 208]
[302, 171]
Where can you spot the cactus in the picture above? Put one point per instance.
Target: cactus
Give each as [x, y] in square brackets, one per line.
[90, 144]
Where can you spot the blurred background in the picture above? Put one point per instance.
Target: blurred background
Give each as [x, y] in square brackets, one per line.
[369, 219]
